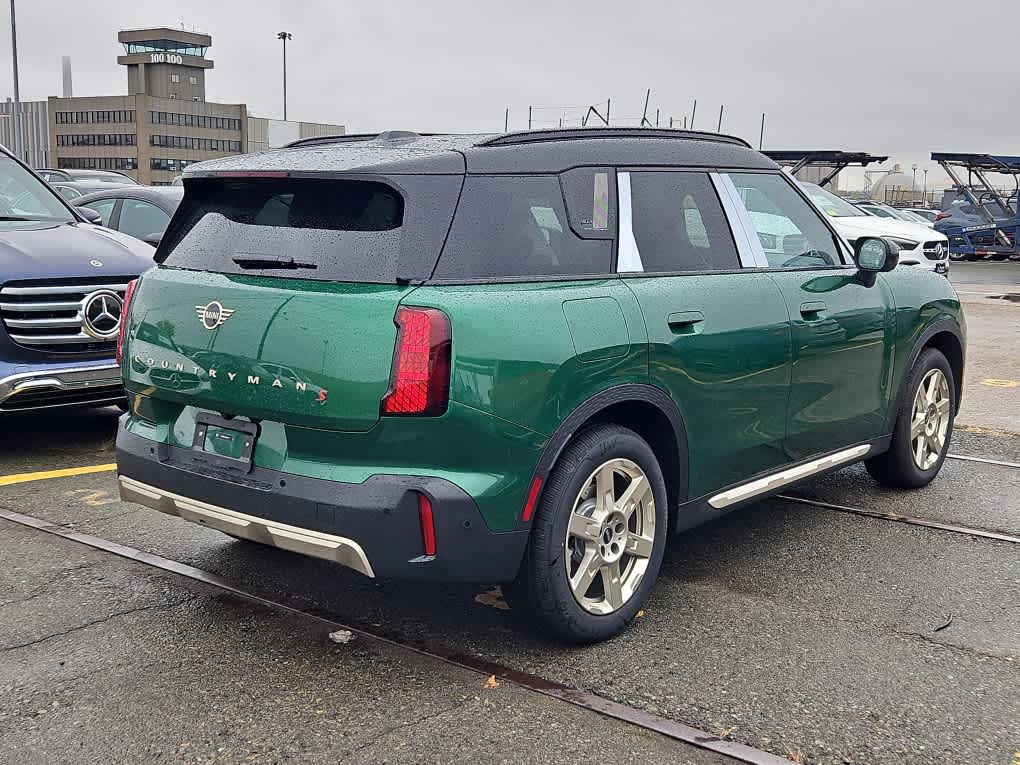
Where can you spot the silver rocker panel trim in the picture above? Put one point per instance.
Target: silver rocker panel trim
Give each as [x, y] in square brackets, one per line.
[785, 477]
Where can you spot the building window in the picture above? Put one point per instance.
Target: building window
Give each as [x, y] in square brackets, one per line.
[173, 96]
[170, 165]
[96, 139]
[88, 118]
[195, 120]
[97, 163]
[195, 144]
[175, 77]
[193, 80]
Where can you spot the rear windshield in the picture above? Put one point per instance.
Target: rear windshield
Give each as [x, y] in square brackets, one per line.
[313, 228]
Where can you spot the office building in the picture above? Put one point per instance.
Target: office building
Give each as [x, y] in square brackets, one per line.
[160, 126]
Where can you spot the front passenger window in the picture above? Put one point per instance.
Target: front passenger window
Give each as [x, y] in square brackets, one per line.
[790, 230]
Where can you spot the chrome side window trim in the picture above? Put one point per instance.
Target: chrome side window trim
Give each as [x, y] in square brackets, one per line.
[628, 259]
[754, 254]
[743, 232]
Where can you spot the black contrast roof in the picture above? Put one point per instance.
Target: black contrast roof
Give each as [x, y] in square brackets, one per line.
[535, 151]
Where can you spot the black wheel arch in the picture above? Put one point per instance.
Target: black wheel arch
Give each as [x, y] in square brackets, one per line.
[647, 410]
[947, 337]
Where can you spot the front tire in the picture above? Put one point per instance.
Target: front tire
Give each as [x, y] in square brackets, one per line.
[598, 538]
[924, 426]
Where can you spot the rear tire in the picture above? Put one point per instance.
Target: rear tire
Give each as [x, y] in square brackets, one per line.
[924, 426]
[591, 562]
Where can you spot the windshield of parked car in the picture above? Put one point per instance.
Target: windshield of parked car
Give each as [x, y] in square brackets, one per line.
[830, 204]
[24, 198]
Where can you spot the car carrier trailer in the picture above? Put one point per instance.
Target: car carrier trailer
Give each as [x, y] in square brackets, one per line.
[835, 161]
[996, 233]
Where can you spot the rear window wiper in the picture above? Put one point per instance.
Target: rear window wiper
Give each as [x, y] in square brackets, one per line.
[262, 263]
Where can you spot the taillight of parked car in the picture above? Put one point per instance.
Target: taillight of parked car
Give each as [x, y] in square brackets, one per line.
[128, 294]
[942, 216]
[420, 375]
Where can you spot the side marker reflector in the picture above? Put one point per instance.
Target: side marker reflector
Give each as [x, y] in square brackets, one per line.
[428, 525]
[529, 506]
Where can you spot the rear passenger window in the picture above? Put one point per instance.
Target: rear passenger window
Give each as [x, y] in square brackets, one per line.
[679, 224]
[516, 226]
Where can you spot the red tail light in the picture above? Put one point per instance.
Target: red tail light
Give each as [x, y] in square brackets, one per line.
[942, 216]
[428, 524]
[420, 376]
[128, 294]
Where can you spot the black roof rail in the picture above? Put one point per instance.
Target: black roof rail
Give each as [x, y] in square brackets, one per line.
[313, 140]
[582, 134]
[387, 135]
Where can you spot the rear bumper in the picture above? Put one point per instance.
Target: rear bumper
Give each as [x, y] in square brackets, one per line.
[50, 387]
[372, 527]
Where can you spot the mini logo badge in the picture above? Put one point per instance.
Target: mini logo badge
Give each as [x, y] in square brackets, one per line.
[96, 263]
[101, 314]
[213, 314]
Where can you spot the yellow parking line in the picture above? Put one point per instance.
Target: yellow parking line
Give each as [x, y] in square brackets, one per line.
[42, 475]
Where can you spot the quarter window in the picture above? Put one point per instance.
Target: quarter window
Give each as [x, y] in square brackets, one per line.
[104, 207]
[790, 231]
[516, 226]
[679, 224]
[139, 219]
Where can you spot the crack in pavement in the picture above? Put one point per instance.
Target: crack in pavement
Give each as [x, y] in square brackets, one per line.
[410, 724]
[94, 622]
[57, 578]
[953, 646]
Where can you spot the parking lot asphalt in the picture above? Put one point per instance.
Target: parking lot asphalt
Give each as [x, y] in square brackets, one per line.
[817, 635]
[103, 661]
[990, 293]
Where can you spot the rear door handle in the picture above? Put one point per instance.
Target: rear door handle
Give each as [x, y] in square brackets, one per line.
[685, 321]
[813, 309]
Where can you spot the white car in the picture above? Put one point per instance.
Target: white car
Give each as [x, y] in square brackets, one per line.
[924, 212]
[880, 210]
[920, 246]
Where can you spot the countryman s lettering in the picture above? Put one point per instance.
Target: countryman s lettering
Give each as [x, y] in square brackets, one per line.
[526, 359]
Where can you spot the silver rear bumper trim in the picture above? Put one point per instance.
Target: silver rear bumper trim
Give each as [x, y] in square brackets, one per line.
[340, 550]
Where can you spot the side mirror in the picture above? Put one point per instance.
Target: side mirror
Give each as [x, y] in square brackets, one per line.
[92, 216]
[153, 239]
[874, 255]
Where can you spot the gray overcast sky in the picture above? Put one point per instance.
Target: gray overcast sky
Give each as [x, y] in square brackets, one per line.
[888, 77]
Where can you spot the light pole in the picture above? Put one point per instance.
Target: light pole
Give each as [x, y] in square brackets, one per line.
[913, 178]
[16, 113]
[926, 186]
[281, 36]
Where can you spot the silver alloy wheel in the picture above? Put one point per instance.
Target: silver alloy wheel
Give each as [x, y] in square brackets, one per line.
[929, 419]
[610, 536]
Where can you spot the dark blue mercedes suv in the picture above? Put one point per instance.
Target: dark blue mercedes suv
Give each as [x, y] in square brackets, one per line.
[62, 283]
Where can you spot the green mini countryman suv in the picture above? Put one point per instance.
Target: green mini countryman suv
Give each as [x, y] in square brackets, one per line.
[527, 358]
